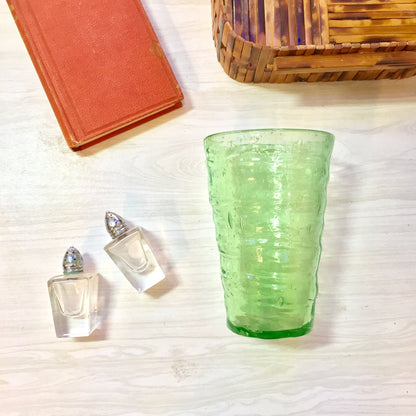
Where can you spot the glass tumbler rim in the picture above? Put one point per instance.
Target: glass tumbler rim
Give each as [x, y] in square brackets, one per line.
[226, 138]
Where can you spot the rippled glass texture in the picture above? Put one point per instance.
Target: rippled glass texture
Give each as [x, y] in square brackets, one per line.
[268, 194]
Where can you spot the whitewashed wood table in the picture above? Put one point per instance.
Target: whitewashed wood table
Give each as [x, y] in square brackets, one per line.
[168, 352]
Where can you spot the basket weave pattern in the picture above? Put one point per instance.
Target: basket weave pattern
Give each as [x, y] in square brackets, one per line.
[315, 40]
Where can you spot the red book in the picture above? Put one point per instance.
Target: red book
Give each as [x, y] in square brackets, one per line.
[100, 63]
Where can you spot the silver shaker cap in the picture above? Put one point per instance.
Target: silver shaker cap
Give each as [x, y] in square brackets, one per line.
[72, 261]
[115, 224]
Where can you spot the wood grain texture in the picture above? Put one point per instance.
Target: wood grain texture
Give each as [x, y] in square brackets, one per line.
[318, 27]
[168, 352]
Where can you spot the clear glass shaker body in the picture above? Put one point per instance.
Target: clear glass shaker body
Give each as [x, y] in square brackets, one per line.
[132, 254]
[74, 299]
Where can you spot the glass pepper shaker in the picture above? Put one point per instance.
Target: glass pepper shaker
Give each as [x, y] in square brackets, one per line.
[132, 254]
[74, 298]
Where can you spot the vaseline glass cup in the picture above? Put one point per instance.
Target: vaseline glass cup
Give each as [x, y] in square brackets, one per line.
[268, 193]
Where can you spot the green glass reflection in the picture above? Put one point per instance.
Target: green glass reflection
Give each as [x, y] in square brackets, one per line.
[268, 193]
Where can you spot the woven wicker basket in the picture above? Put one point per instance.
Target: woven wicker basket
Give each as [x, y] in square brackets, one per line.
[315, 40]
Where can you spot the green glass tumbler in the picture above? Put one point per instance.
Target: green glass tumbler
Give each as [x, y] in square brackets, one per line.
[267, 189]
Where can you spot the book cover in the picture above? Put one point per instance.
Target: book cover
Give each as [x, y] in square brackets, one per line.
[100, 63]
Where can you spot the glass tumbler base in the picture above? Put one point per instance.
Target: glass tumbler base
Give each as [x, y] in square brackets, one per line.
[297, 332]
